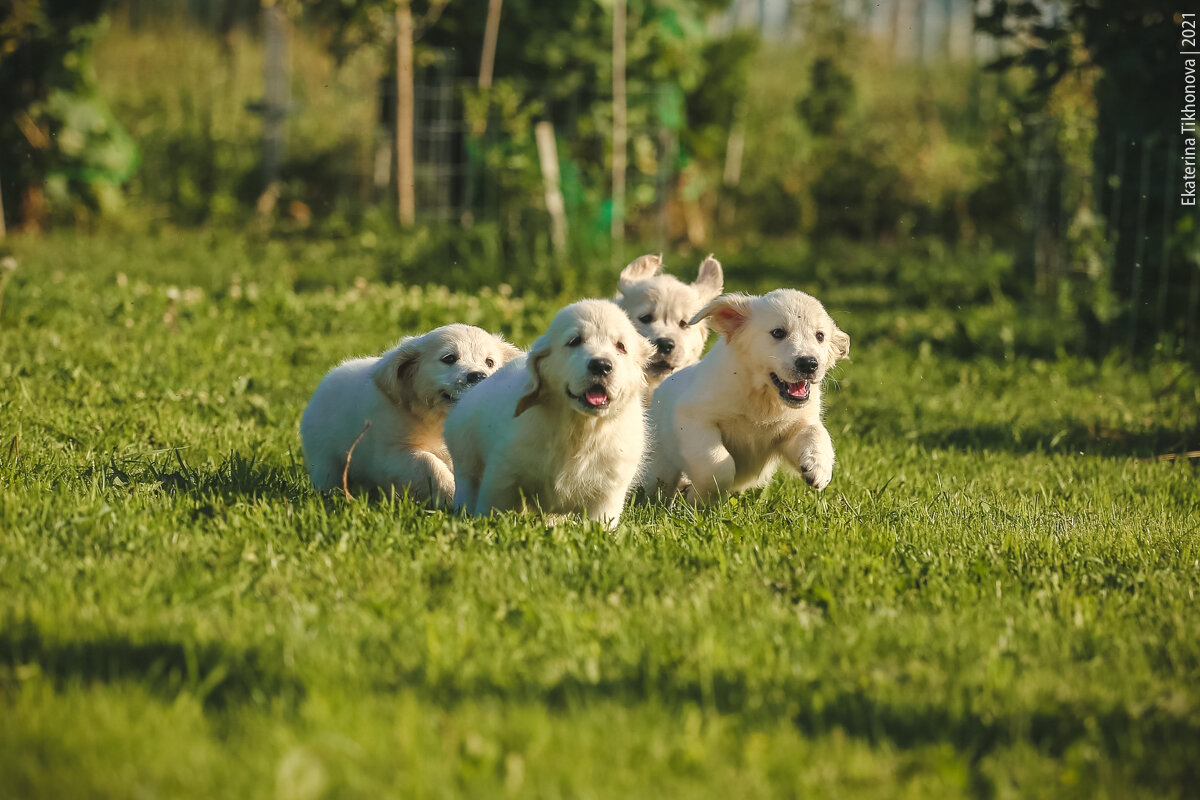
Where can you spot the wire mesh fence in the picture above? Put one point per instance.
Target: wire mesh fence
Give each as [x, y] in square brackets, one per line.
[1113, 222]
[1123, 198]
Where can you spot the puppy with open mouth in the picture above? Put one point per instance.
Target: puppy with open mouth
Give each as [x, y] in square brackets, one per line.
[563, 428]
[754, 401]
[404, 395]
[661, 308]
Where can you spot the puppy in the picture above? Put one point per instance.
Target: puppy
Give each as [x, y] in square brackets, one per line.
[662, 306]
[404, 394]
[563, 428]
[726, 423]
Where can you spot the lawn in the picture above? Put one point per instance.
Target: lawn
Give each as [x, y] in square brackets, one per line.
[995, 597]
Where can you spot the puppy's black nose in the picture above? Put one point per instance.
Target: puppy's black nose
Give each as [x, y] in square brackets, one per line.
[599, 366]
[664, 346]
[475, 377]
[806, 364]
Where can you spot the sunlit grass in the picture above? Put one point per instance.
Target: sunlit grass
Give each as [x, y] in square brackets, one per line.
[994, 597]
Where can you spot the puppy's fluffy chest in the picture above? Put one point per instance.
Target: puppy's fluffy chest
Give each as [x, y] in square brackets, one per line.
[418, 432]
[578, 464]
[756, 433]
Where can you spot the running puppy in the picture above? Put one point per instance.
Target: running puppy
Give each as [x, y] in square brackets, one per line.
[404, 395]
[725, 424]
[564, 428]
[662, 306]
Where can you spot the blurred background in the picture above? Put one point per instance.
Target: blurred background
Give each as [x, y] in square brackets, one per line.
[1022, 154]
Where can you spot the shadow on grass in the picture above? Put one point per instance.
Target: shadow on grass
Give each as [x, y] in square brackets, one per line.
[218, 676]
[1158, 744]
[236, 476]
[1073, 438]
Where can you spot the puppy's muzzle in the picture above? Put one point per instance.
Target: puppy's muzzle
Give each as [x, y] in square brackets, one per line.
[462, 384]
[806, 365]
[600, 367]
[794, 393]
[594, 399]
[662, 362]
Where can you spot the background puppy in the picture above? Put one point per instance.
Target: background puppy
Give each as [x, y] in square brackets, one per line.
[662, 306]
[405, 394]
[563, 428]
[754, 400]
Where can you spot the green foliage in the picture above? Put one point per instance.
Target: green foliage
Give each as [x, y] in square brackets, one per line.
[188, 98]
[1110, 60]
[682, 86]
[58, 140]
[992, 599]
[844, 140]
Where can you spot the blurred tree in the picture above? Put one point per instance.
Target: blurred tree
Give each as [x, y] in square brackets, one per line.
[1133, 47]
[60, 146]
[830, 96]
[554, 59]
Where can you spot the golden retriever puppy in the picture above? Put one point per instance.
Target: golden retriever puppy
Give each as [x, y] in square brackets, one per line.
[725, 424]
[662, 306]
[563, 428]
[404, 395]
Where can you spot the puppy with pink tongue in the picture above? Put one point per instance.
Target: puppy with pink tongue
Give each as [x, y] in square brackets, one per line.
[752, 403]
[563, 429]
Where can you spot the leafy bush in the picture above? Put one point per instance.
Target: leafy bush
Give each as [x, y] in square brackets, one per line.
[62, 152]
[841, 140]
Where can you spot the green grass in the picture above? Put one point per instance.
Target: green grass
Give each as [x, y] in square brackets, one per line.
[995, 597]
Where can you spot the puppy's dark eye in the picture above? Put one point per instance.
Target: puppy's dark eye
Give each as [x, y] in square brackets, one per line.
[646, 318]
[683, 323]
[779, 333]
[820, 336]
[621, 347]
[450, 358]
[490, 363]
[575, 342]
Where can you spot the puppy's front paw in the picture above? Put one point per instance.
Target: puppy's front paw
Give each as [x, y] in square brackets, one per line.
[817, 470]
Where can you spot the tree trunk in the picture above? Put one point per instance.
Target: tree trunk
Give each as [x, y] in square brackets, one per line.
[406, 201]
[619, 130]
[490, 34]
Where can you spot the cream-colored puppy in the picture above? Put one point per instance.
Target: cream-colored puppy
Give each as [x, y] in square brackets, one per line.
[662, 306]
[404, 394]
[725, 424]
[563, 428]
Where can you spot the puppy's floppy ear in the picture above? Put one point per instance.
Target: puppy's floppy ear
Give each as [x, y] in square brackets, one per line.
[507, 351]
[726, 314]
[393, 373]
[640, 269]
[710, 280]
[839, 340]
[533, 388]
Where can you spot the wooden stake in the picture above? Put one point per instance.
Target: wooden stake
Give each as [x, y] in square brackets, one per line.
[490, 34]
[619, 127]
[551, 183]
[406, 201]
